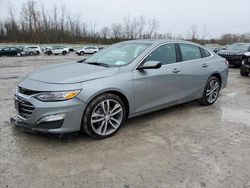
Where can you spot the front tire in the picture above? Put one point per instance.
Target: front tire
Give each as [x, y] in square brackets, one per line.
[243, 71]
[211, 91]
[64, 53]
[104, 116]
[19, 54]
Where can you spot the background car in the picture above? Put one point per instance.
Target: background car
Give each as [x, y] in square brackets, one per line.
[47, 50]
[245, 67]
[34, 49]
[11, 51]
[56, 50]
[26, 51]
[71, 49]
[87, 50]
[234, 53]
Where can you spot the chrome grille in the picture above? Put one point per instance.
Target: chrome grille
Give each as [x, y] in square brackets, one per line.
[228, 56]
[24, 108]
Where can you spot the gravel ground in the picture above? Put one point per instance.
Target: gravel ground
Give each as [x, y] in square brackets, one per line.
[184, 146]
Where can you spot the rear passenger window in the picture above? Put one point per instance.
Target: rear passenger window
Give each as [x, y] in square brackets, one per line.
[166, 54]
[205, 53]
[190, 52]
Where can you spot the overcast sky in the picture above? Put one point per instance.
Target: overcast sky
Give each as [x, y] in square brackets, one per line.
[175, 16]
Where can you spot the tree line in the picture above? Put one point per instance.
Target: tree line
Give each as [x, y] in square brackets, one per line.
[35, 24]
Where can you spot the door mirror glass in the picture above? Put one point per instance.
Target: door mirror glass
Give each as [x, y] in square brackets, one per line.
[150, 65]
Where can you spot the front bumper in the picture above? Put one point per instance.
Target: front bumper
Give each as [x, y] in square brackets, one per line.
[40, 119]
[234, 60]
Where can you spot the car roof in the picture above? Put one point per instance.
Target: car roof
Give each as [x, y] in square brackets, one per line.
[158, 41]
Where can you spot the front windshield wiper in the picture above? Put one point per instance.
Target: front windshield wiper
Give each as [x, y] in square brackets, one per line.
[81, 61]
[98, 64]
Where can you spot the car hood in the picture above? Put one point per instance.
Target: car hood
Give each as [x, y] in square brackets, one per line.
[70, 73]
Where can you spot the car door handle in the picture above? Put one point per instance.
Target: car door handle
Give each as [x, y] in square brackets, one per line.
[204, 65]
[175, 70]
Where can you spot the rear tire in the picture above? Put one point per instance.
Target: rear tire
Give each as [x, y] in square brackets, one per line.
[64, 53]
[104, 116]
[243, 71]
[81, 53]
[31, 53]
[19, 54]
[211, 91]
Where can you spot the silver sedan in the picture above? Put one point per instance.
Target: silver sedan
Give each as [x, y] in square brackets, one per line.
[96, 95]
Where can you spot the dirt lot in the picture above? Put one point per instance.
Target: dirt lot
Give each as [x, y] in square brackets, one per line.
[184, 146]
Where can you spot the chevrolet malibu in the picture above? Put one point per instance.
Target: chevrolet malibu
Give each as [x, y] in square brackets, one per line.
[96, 95]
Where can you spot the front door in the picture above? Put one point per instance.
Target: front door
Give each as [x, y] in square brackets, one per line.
[154, 88]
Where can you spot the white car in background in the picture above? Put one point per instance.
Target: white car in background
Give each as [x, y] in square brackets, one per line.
[56, 50]
[87, 50]
[34, 50]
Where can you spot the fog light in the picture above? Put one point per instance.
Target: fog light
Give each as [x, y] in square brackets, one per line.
[51, 118]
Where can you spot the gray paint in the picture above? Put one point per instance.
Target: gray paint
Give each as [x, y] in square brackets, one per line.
[145, 91]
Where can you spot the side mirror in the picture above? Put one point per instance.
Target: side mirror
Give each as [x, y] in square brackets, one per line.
[149, 65]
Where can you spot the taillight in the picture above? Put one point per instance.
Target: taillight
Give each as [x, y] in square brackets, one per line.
[227, 63]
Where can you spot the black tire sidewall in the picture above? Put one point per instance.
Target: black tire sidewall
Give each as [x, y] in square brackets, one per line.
[86, 122]
[243, 71]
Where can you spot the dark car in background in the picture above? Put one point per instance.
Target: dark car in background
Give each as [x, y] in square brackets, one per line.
[11, 51]
[245, 67]
[234, 53]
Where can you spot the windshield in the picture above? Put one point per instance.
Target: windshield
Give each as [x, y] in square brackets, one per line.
[239, 47]
[118, 54]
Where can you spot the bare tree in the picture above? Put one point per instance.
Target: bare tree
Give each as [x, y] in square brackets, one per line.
[193, 33]
[141, 26]
[104, 33]
[116, 30]
[152, 27]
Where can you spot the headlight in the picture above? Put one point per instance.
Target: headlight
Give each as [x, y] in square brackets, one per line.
[57, 96]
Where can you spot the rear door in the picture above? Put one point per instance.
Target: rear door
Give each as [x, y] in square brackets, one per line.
[195, 71]
[154, 88]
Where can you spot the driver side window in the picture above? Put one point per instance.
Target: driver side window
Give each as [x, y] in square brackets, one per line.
[166, 54]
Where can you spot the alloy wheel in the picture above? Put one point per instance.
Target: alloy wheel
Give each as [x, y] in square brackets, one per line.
[107, 117]
[212, 91]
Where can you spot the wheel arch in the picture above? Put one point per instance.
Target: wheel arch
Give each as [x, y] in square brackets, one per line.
[218, 76]
[118, 93]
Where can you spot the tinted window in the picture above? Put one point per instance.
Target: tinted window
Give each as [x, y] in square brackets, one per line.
[165, 54]
[190, 52]
[205, 53]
